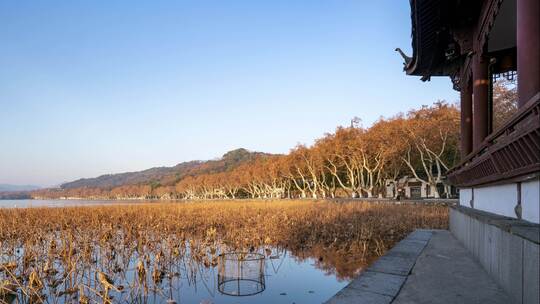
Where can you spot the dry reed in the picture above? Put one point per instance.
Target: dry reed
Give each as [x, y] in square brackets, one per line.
[124, 252]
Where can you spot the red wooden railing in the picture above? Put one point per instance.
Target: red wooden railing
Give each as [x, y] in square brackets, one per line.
[511, 153]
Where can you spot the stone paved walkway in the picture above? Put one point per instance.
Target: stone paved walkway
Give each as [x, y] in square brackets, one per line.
[429, 266]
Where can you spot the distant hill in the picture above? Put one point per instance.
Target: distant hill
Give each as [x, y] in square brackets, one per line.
[167, 175]
[17, 188]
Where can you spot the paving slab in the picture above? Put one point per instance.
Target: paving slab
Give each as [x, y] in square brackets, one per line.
[420, 234]
[378, 282]
[356, 296]
[408, 248]
[446, 272]
[393, 263]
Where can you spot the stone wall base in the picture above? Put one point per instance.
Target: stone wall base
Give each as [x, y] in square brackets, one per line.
[508, 249]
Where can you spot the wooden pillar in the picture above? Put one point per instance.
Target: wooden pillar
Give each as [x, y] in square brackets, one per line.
[466, 120]
[528, 49]
[480, 99]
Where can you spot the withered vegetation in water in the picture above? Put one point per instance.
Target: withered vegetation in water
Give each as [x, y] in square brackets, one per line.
[115, 253]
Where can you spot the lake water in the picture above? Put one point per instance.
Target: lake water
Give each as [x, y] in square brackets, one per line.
[29, 203]
[278, 277]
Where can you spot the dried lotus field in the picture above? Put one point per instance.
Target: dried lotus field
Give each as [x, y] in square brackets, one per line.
[150, 252]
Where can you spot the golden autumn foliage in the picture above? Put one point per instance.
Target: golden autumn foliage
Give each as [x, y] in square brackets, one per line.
[351, 162]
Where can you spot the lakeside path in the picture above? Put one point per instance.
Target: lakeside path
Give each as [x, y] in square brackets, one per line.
[429, 266]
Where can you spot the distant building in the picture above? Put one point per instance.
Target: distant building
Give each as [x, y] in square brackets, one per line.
[413, 188]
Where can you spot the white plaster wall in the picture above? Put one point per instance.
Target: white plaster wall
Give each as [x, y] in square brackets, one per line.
[465, 196]
[530, 201]
[500, 199]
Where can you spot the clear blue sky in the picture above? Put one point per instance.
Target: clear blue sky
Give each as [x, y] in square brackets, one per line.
[95, 87]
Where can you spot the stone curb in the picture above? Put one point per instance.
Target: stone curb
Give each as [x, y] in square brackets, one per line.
[382, 281]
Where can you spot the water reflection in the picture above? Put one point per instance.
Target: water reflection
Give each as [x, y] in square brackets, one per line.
[133, 265]
[180, 274]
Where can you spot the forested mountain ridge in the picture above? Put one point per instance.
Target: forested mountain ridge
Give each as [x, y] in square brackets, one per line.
[166, 175]
[118, 179]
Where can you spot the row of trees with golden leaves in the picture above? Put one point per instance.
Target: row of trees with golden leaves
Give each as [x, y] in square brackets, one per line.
[350, 162]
